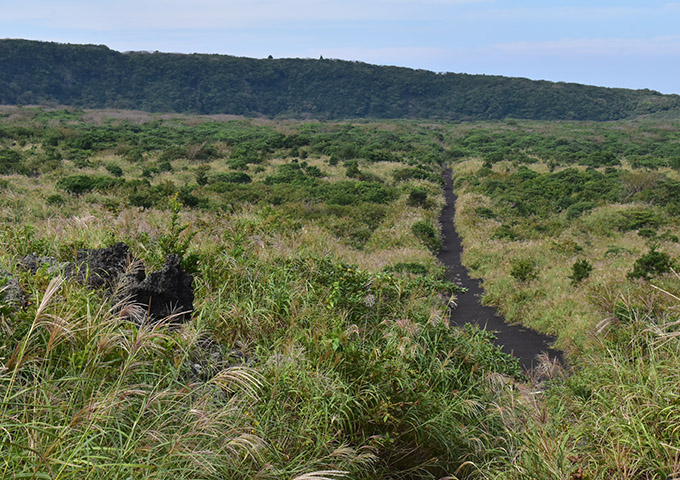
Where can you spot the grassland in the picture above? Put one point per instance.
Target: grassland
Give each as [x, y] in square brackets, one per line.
[315, 350]
[319, 346]
[526, 226]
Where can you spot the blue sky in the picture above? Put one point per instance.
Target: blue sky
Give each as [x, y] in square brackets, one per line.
[631, 44]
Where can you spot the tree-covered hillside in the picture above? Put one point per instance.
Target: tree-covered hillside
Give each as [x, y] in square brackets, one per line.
[95, 76]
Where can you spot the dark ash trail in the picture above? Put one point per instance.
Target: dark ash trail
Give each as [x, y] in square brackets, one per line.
[522, 342]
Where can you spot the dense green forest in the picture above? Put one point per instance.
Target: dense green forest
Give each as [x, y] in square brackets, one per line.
[96, 77]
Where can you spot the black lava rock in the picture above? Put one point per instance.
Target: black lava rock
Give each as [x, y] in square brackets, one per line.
[103, 267]
[11, 293]
[166, 293]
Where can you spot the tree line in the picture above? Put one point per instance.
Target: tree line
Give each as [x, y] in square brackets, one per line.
[92, 76]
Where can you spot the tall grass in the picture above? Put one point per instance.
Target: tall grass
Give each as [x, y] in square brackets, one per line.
[615, 415]
[304, 359]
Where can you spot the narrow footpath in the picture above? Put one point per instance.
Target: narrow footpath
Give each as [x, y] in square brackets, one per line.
[522, 342]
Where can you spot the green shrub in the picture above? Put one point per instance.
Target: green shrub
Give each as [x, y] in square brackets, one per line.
[288, 173]
[580, 270]
[578, 208]
[523, 269]
[313, 171]
[231, 177]
[651, 264]
[601, 158]
[416, 173]
[55, 199]
[636, 219]
[187, 198]
[527, 192]
[485, 171]
[10, 161]
[352, 170]
[174, 152]
[149, 172]
[201, 175]
[135, 155]
[175, 240]
[428, 234]
[351, 193]
[647, 233]
[164, 167]
[114, 169]
[668, 237]
[505, 232]
[206, 152]
[79, 184]
[418, 197]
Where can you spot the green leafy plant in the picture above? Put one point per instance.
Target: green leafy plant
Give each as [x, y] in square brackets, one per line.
[176, 241]
[652, 263]
[231, 177]
[580, 270]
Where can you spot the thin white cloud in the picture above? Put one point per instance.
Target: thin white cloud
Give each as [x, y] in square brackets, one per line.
[174, 14]
[588, 47]
[594, 13]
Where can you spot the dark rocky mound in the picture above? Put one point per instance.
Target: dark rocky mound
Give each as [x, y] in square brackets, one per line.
[166, 293]
[33, 263]
[11, 293]
[103, 267]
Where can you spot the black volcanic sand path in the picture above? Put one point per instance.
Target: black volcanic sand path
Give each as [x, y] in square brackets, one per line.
[523, 343]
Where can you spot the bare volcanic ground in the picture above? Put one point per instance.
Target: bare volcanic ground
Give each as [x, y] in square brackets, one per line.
[522, 342]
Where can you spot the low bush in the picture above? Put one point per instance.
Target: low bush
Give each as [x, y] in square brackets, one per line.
[10, 161]
[636, 219]
[79, 184]
[428, 234]
[523, 269]
[652, 263]
[485, 212]
[417, 197]
[230, 177]
[416, 173]
[55, 199]
[407, 267]
[580, 270]
[114, 169]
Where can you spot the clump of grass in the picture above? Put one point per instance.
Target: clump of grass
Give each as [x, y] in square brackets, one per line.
[523, 269]
[617, 406]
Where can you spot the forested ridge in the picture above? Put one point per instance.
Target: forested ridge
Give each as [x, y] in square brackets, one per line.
[94, 76]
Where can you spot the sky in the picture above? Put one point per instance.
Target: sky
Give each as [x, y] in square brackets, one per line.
[630, 44]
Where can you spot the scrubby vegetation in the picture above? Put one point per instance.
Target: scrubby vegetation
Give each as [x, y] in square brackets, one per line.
[312, 353]
[319, 345]
[576, 235]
